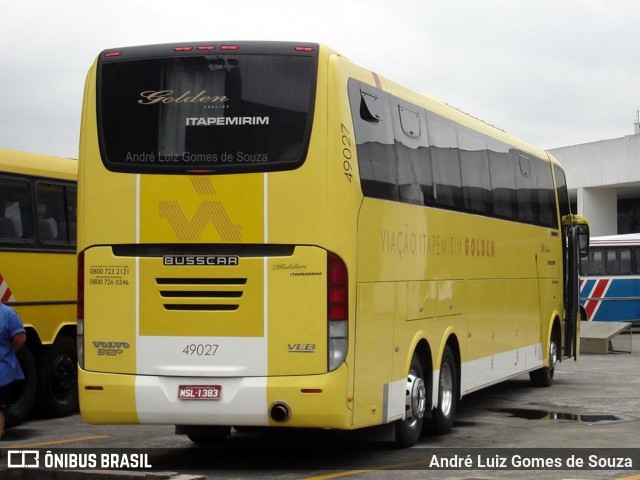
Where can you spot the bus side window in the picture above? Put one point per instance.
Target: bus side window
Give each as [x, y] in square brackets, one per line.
[377, 161]
[16, 218]
[546, 194]
[598, 262]
[526, 186]
[618, 261]
[594, 264]
[503, 181]
[561, 191]
[443, 147]
[474, 163]
[52, 221]
[625, 262]
[72, 201]
[415, 174]
[613, 263]
[7, 228]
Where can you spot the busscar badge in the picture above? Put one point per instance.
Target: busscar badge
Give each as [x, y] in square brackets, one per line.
[200, 260]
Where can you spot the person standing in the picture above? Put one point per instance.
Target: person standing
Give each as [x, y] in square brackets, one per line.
[12, 338]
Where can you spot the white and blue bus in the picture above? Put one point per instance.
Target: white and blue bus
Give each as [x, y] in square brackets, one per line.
[610, 279]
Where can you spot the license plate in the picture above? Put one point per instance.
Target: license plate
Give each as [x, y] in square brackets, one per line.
[199, 392]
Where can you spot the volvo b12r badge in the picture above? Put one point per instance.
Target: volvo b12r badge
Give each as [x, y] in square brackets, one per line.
[200, 260]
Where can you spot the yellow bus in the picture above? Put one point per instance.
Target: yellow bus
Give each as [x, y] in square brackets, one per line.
[271, 235]
[38, 277]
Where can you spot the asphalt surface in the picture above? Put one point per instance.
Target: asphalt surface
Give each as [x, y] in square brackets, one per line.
[593, 404]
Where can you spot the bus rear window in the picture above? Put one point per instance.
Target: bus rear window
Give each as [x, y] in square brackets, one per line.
[215, 113]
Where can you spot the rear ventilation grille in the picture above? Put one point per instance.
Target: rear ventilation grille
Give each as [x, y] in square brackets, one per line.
[216, 298]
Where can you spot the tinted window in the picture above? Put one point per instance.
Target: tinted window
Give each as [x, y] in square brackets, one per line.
[474, 161]
[618, 261]
[561, 188]
[526, 188]
[16, 210]
[546, 194]
[503, 180]
[443, 147]
[594, 264]
[603, 261]
[36, 214]
[375, 146]
[56, 213]
[219, 112]
[408, 154]
[415, 171]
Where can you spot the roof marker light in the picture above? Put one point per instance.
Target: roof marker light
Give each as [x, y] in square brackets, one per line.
[206, 47]
[303, 49]
[182, 49]
[229, 47]
[112, 54]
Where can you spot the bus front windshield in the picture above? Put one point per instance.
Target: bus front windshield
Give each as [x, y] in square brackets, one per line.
[217, 113]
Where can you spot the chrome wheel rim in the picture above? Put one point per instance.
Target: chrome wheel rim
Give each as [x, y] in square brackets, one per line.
[416, 398]
[446, 389]
[553, 354]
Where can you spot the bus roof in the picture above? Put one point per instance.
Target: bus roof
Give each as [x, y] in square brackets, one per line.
[38, 165]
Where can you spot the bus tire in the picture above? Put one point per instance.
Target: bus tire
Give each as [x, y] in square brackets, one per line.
[206, 435]
[408, 430]
[23, 392]
[543, 377]
[57, 393]
[444, 413]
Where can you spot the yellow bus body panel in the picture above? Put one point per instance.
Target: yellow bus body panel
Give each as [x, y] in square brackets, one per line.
[42, 281]
[114, 400]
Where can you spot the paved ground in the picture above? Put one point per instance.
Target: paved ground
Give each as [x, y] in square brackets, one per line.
[594, 403]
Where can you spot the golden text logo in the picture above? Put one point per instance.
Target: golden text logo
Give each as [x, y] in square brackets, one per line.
[152, 97]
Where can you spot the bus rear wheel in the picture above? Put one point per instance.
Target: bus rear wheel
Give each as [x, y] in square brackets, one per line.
[408, 430]
[57, 394]
[445, 411]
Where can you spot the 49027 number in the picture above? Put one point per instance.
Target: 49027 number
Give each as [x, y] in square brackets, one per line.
[200, 349]
[347, 153]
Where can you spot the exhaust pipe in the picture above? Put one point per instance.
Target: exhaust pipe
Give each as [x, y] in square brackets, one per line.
[280, 412]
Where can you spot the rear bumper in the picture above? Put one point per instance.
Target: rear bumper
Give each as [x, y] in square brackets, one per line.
[315, 401]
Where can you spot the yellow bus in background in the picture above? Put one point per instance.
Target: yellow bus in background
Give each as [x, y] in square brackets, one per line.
[38, 277]
[271, 235]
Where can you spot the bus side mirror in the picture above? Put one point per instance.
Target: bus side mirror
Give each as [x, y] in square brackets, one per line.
[583, 239]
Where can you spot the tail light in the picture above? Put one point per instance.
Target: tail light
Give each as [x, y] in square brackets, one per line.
[80, 311]
[337, 310]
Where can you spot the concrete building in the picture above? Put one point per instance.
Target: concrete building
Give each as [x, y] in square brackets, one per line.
[604, 181]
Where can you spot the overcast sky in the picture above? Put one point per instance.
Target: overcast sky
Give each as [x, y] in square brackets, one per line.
[552, 72]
